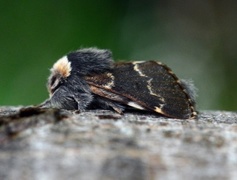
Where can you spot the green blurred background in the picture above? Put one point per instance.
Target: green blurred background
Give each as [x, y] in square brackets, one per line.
[197, 39]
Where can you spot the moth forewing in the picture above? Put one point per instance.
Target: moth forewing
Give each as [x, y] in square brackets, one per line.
[146, 85]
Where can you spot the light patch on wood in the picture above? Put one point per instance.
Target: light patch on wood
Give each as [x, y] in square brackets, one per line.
[135, 105]
[62, 66]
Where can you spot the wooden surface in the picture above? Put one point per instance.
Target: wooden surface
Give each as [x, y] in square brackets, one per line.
[56, 144]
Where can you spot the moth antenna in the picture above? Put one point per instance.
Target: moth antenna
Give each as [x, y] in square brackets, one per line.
[90, 61]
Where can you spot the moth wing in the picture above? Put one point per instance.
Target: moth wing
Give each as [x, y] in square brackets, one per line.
[147, 85]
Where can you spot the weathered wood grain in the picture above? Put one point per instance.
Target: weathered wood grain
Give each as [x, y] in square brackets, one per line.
[57, 144]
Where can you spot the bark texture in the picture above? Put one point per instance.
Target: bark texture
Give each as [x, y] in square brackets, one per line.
[57, 144]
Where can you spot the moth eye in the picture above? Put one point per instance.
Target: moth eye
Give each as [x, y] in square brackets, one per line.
[52, 81]
[53, 84]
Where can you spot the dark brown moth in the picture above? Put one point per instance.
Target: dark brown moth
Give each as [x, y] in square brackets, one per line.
[89, 79]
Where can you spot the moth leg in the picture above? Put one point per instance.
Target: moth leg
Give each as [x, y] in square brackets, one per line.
[45, 104]
[66, 98]
[83, 100]
[100, 102]
[116, 107]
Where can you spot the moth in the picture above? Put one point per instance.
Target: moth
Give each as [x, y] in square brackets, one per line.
[90, 79]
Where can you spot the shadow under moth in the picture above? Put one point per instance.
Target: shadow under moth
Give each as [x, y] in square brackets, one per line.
[90, 79]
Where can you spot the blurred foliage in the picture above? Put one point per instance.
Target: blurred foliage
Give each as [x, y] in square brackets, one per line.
[197, 39]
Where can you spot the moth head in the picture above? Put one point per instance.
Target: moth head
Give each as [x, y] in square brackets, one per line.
[60, 71]
[80, 63]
